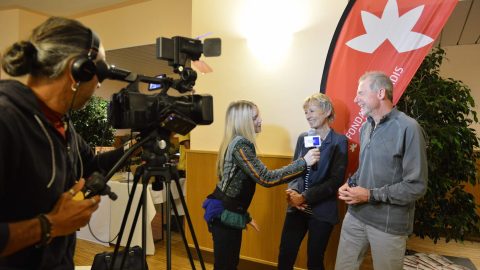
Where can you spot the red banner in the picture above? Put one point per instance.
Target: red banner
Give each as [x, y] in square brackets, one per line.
[392, 36]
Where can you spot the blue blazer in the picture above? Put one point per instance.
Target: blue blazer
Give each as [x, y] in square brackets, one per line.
[325, 180]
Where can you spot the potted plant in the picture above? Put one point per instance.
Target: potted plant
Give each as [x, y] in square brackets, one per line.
[445, 110]
[91, 123]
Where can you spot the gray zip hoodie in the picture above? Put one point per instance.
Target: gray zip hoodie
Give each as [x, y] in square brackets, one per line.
[393, 165]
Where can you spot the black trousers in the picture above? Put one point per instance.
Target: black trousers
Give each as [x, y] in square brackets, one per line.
[226, 246]
[294, 229]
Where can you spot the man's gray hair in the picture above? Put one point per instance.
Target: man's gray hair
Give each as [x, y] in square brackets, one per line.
[379, 80]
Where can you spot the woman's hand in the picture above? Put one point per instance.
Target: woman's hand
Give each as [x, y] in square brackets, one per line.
[254, 225]
[312, 156]
[296, 199]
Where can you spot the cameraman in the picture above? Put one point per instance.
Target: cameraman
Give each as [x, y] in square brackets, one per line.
[43, 160]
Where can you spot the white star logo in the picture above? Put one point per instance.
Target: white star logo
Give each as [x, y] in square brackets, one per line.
[392, 27]
[353, 147]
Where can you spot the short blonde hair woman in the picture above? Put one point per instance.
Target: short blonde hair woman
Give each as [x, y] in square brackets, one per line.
[312, 198]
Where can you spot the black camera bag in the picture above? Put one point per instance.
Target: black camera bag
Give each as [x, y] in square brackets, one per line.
[133, 261]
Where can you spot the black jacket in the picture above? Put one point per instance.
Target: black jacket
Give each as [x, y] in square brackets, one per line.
[325, 180]
[36, 166]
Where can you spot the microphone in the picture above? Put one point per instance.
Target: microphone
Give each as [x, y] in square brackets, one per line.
[106, 71]
[312, 140]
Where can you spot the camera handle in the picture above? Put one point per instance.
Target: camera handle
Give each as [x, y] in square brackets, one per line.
[156, 165]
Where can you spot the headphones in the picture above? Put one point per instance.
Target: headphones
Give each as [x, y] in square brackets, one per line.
[83, 67]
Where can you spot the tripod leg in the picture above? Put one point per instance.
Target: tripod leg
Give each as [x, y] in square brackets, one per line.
[169, 223]
[189, 222]
[132, 231]
[163, 222]
[143, 199]
[182, 231]
[142, 204]
[138, 173]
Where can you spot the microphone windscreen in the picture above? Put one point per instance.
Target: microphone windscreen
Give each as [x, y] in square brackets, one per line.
[106, 71]
[312, 139]
[212, 47]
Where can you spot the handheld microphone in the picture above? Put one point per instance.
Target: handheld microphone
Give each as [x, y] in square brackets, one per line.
[312, 140]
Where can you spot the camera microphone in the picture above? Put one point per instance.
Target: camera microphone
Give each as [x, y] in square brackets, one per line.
[312, 140]
[106, 71]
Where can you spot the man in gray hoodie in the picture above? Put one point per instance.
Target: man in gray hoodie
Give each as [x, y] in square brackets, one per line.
[392, 174]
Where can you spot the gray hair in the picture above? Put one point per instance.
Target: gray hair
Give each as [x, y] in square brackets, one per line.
[378, 80]
[48, 49]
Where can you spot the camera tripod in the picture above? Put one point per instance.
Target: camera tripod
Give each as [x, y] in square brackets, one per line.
[156, 164]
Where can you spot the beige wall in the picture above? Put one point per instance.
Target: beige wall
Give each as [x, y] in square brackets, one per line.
[136, 25]
[278, 85]
[141, 23]
[16, 24]
[126, 26]
[9, 20]
[463, 63]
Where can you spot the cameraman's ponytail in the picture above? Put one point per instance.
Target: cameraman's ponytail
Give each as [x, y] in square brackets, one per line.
[48, 49]
[19, 59]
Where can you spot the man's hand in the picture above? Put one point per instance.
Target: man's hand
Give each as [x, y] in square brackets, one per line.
[353, 195]
[70, 214]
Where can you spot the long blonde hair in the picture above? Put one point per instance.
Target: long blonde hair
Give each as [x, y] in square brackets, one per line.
[238, 122]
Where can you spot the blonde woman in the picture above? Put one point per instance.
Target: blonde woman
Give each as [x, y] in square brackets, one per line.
[239, 171]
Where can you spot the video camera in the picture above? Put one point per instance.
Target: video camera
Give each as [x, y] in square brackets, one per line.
[131, 109]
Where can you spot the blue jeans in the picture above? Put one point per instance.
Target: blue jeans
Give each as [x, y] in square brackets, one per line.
[294, 229]
[226, 245]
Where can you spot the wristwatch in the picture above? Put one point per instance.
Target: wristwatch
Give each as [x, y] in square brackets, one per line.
[371, 198]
